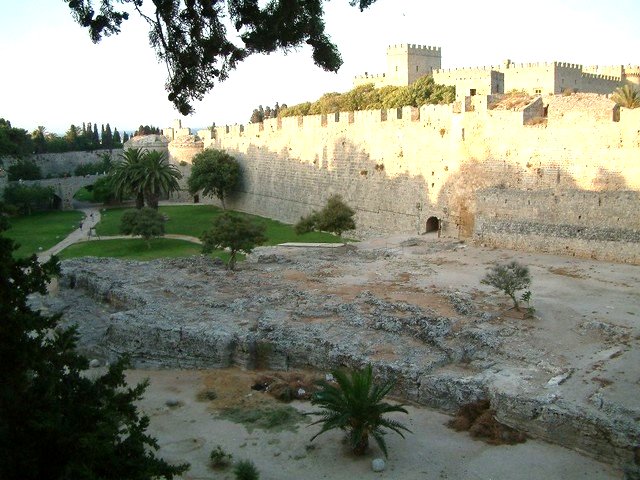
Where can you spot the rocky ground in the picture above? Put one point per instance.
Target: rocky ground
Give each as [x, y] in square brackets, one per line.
[413, 307]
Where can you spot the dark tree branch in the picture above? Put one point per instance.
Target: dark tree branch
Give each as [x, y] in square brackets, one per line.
[191, 39]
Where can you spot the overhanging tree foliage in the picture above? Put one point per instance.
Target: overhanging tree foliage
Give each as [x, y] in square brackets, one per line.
[56, 423]
[190, 36]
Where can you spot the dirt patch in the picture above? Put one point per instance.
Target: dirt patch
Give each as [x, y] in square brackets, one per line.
[479, 420]
[232, 388]
[567, 272]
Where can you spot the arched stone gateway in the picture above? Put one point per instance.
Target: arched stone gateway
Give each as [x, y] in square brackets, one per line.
[64, 188]
[433, 225]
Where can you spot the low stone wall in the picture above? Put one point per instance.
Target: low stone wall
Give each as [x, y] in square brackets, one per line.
[599, 225]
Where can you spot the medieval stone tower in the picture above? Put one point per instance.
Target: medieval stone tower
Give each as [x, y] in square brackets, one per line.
[406, 63]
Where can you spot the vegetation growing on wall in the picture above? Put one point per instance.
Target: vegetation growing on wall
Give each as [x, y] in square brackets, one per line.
[367, 97]
[261, 114]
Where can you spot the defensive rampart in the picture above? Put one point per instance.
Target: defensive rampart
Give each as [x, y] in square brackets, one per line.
[569, 183]
[61, 164]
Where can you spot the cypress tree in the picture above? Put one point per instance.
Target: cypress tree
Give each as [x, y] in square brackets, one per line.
[107, 139]
[116, 138]
[96, 138]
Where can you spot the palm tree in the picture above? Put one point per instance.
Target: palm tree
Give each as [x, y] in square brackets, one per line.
[161, 177]
[355, 405]
[128, 175]
[626, 96]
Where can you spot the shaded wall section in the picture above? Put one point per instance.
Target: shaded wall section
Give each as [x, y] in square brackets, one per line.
[398, 168]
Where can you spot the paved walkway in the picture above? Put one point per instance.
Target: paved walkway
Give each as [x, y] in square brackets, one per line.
[87, 232]
[91, 218]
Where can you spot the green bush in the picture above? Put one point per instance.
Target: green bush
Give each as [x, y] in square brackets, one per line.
[26, 198]
[510, 278]
[24, 170]
[335, 217]
[219, 458]
[235, 233]
[146, 222]
[246, 470]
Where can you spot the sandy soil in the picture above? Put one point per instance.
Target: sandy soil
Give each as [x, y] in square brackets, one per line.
[189, 431]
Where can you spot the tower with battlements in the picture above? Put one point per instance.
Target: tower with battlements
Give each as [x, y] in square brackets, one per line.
[405, 64]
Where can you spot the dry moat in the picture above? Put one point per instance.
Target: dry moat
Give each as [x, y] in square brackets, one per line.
[412, 306]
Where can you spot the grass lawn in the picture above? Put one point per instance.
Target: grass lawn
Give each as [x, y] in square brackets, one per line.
[42, 229]
[195, 219]
[84, 195]
[136, 249]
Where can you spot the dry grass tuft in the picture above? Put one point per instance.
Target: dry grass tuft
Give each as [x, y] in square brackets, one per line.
[479, 420]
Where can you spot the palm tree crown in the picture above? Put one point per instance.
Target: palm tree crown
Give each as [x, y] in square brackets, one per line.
[128, 174]
[145, 174]
[161, 177]
[355, 405]
[627, 97]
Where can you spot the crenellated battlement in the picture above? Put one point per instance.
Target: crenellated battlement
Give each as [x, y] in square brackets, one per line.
[373, 76]
[574, 66]
[466, 69]
[415, 48]
[435, 116]
[597, 76]
[408, 62]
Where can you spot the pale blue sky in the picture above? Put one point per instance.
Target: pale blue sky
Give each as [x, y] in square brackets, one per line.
[53, 75]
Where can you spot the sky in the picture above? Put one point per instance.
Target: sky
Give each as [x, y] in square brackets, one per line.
[51, 74]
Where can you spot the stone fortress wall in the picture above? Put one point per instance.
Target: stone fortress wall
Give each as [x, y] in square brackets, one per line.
[406, 63]
[59, 164]
[568, 185]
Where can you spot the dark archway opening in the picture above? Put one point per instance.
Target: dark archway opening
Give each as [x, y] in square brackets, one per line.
[433, 224]
[56, 203]
[196, 198]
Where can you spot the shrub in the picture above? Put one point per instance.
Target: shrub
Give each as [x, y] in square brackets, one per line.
[219, 458]
[306, 224]
[147, 223]
[26, 198]
[509, 278]
[335, 217]
[24, 170]
[55, 422]
[234, 233]
[246, 470]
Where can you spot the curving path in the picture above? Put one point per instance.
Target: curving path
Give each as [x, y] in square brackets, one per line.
[86, 233]
[91, 218]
